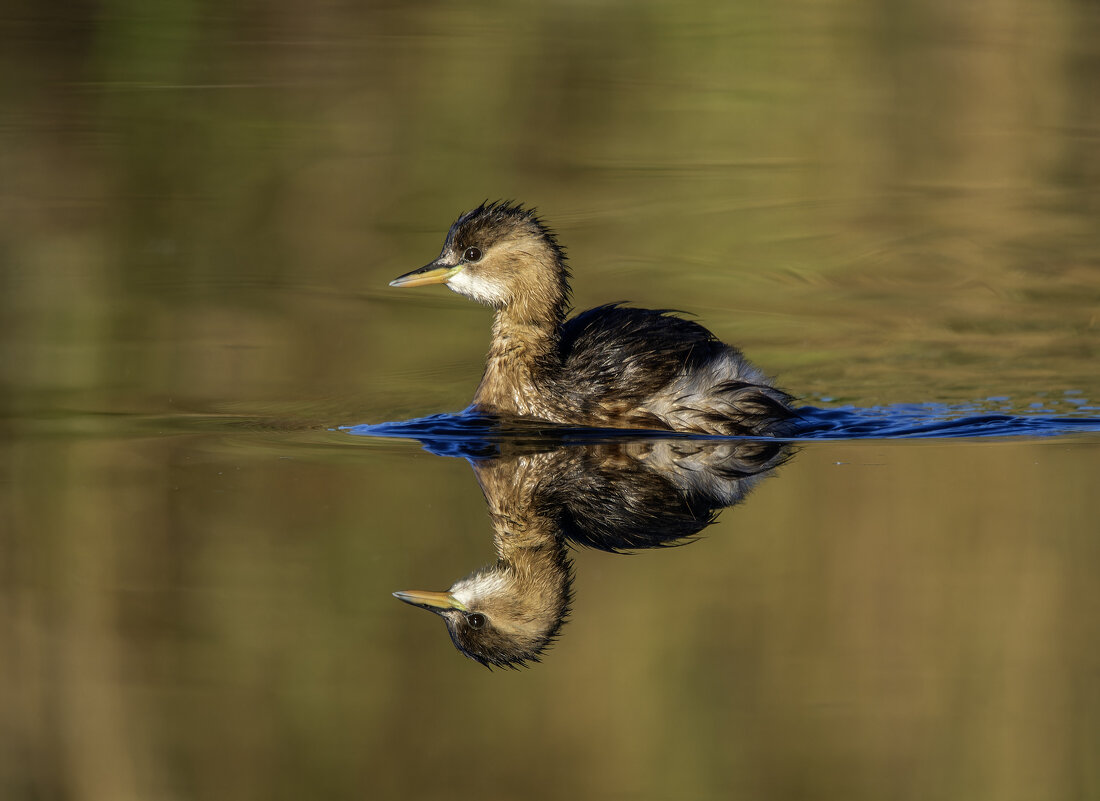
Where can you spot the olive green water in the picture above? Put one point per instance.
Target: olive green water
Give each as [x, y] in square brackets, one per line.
[200, 208]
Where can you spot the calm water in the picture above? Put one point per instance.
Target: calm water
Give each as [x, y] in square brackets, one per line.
[210, 487]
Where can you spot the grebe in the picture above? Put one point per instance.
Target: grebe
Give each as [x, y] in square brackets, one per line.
[611, 366]
[617, 496]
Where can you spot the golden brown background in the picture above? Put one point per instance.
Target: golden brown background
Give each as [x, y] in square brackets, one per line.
[200, 207]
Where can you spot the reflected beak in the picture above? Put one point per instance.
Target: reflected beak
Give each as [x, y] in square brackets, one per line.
[437, 602]
[434, 273]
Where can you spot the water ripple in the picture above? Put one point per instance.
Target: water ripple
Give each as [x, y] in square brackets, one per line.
[470, 434]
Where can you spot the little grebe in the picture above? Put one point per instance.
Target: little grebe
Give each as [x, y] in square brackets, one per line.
[610, 366]
[616, 496]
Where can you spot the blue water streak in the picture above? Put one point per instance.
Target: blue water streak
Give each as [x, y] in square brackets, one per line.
[479, 436]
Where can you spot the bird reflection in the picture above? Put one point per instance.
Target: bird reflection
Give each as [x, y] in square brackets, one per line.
[617, 496]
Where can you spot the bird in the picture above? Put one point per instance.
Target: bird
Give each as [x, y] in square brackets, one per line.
[542, 498]
[613, 366]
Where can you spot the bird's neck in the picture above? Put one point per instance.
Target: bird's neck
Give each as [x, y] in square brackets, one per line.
[513, 486]
[526, 533]
[523, 353]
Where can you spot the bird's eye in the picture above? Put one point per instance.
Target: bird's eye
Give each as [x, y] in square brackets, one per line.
[475, 619]
[472, 254]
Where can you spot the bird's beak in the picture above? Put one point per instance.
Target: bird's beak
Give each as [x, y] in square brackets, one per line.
[433, 601]
[435, 273]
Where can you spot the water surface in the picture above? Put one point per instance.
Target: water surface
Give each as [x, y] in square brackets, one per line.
[209, 483]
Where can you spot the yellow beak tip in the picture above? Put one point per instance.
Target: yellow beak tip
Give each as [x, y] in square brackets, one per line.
[424, 276]
[435, 601]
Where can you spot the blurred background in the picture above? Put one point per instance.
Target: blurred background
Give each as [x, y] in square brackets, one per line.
[881, 201]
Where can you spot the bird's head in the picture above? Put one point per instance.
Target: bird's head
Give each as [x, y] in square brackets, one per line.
[501, 616]
[502, 255]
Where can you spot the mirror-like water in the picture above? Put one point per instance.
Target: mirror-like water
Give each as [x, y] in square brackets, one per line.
[205, 610]
[224, 439]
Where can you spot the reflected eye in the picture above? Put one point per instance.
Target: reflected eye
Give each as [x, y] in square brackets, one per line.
[472, 254]
[475, 619]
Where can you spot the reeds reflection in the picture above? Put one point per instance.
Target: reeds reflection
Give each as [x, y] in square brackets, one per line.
[615, 496]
